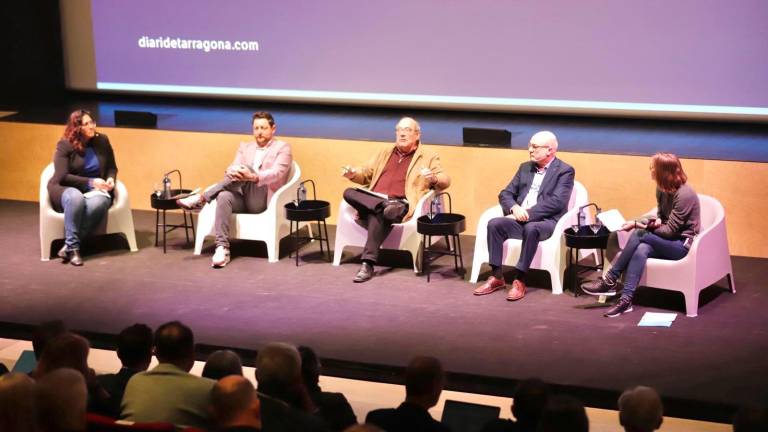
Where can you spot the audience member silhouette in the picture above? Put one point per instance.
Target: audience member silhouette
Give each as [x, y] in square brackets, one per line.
[222, 363]
[285, 404]
[17, 403]
[640, 410]
[332, 407]
[564, 414]
[529, 399]
[424, 380]
[168, 392]
[44, 333]
[235, 406]
[61, 398]
[134, 349]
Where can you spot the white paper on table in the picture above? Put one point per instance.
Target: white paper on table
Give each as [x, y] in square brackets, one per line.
[657, 319]
[612, 219]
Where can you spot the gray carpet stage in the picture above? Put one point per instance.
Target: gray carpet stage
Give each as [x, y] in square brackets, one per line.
[713, 362]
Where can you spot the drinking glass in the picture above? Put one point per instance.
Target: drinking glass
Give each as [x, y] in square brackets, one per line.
[595, 226]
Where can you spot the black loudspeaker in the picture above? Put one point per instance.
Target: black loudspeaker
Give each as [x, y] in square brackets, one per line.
[479, 137]
[142, 119]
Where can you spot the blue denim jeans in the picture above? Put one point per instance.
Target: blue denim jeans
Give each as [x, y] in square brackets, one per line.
[641, 246]
[81, 215]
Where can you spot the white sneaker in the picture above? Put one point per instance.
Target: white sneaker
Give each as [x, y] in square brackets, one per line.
[220, 257]
[194, 201]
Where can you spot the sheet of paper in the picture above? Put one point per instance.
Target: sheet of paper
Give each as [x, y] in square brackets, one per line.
[378, 194]
[95, 192]
[612, 219]
[657, 319]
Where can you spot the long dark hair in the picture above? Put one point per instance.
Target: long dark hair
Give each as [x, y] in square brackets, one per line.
[73, 131]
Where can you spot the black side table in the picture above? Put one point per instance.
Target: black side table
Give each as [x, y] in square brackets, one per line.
[313, 210]
[165, 204]
[448, 225]
[584, 238]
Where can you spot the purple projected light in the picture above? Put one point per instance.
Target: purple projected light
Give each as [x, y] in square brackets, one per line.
[688, 56]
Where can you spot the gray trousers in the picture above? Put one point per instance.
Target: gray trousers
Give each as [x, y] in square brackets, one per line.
[234, 197]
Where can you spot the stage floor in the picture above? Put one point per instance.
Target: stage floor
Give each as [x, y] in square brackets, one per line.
[707, 364]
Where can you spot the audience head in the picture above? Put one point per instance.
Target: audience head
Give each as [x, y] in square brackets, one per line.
[407, 134]
[222, 363]
[65, 351]
[529, 400]
[234, 403]
[61, 398]
[542, 147]
[17, 403]
[134, 346]
[564, 414]
[278, 371]
[424, 380]
[640, 410]
[751, 419]
[175, 344]
[310, 368]
[44, 333]
[667, 171]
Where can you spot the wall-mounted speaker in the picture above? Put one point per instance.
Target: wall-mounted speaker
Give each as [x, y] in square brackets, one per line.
[141, 119]
[480, 137]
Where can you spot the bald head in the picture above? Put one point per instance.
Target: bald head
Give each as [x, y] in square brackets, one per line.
[234, 401]
[61, 400]
[17, 403]
[640, 410]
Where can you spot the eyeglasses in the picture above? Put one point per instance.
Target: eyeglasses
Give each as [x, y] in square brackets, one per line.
[406, 129]
[536, 146]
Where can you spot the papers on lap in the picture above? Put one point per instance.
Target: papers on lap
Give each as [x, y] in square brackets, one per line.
[95, 192]
[612, 219]
[370, 192]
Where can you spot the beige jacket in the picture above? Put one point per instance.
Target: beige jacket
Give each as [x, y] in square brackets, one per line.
[415, 185]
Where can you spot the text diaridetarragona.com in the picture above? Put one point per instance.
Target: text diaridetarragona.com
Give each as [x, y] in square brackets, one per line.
[167, 42]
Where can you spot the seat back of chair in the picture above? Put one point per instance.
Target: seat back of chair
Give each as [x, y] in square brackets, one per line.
[712, 212]
[45, 177]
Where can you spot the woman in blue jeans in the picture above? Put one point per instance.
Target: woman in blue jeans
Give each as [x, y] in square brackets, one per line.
[83, 181]
[667, 236]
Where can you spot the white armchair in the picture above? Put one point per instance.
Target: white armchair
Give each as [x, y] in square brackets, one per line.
[268, 226]
[708, 260]
[550, 254]
[119, 219]
[403, 236]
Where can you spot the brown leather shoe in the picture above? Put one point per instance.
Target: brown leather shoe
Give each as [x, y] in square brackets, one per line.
[518, 290]
[491, 285]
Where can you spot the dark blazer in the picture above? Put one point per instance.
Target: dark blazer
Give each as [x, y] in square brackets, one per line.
[114, 384]
[334, 409]
[407, 417]
[69, 167]
[554, 194]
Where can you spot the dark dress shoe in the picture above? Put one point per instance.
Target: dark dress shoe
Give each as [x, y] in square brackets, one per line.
[364, 274]
[518, 290]
[491, 285]
[75, 259]
[63, 254]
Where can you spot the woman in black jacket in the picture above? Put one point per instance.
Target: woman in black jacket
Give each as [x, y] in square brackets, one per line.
[83, 181]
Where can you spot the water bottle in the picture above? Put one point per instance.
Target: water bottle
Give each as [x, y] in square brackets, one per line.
[166, 187]
[302, 193]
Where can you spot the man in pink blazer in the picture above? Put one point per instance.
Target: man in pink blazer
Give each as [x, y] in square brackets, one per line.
[259, 169]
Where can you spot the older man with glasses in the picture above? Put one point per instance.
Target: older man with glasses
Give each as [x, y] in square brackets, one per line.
[533, 202]
[396, 178]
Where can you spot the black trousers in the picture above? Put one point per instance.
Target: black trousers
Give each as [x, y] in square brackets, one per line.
[371, 208]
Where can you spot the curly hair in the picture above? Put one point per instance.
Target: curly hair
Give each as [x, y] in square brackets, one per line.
[668, 172]
[73, 132]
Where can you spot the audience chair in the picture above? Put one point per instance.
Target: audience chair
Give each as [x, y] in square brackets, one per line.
[708, 260]
[550, 255]
[403, 236]
[268, 226]
[119, 219]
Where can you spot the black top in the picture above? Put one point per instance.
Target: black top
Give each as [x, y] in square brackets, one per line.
[334, 409]
[114, 384]
[277, 415]
[69, 167]
[407, 417]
